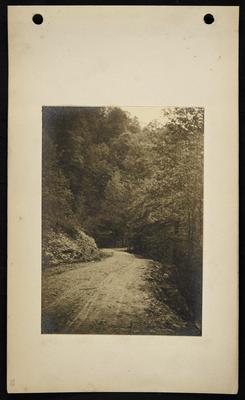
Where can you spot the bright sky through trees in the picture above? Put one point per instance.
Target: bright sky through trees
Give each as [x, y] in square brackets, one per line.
[145, 114]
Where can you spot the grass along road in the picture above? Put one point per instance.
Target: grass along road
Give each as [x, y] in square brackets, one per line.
[121, 294]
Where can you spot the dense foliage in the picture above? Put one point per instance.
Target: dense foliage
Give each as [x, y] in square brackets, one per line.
[128, 186]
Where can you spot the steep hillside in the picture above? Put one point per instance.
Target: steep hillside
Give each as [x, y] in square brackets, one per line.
[63, 248]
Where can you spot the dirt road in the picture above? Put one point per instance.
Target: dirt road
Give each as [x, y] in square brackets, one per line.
[114, 296]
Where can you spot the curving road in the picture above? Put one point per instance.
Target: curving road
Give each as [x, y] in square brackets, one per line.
[116, 295]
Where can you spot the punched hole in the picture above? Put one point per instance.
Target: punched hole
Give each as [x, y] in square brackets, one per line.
[208, 19]
[37, 19]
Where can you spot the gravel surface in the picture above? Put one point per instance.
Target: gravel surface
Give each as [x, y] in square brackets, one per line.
[121, 294]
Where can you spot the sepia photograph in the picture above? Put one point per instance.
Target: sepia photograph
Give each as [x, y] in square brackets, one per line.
[123, 199]
[122, 212]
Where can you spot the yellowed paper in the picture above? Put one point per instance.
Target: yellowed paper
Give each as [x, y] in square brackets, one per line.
[125, 56]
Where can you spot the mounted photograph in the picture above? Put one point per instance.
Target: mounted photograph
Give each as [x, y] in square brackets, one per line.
[122, 220]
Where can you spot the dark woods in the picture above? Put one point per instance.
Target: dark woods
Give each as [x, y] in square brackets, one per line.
[125, 186]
